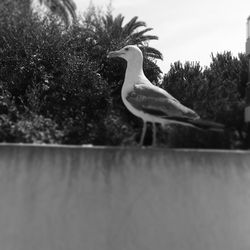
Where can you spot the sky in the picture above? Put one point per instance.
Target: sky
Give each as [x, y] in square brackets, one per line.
[188, 30]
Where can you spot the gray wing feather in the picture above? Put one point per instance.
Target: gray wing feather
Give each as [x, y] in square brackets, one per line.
[158, 102]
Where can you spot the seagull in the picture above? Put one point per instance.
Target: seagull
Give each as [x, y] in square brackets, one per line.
[149, 102]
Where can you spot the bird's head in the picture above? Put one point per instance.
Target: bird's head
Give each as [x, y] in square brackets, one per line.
[129, 53]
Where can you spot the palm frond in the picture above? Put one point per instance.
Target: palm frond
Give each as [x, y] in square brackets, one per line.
[118, 21]
[141, 39]
[142, 32]
[65, 9]
[152, 52]
[71, 7]
[132, 25]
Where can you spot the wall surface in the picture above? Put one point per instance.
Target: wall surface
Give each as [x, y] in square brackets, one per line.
[72, 198]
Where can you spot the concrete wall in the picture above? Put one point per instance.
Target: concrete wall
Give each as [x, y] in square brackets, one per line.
[72, 198]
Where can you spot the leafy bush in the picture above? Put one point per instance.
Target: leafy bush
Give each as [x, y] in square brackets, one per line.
[216, 93]
[49, 83]
[29, 129]
[57, 85]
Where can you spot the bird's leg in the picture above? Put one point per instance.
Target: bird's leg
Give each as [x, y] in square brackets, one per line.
[154, 134]
[144, 128]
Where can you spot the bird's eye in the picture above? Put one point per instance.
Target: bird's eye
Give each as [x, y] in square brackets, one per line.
[127, 49]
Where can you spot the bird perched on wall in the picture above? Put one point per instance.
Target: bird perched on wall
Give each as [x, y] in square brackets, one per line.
[151, 103]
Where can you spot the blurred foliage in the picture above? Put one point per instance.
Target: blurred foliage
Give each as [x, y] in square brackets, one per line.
[217, 93]
[64, 9]
[57, 85]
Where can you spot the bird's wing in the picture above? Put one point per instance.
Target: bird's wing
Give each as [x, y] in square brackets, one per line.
[148, 88]
[156, 101]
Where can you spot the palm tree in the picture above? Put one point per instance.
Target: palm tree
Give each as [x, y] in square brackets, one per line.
[113, 33]
[65, 9]
[109, 33]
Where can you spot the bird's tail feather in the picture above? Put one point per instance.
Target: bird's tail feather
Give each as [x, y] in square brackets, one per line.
[198, 123]
[205, 124]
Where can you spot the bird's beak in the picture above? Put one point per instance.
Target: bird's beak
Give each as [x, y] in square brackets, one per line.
[117, 53]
